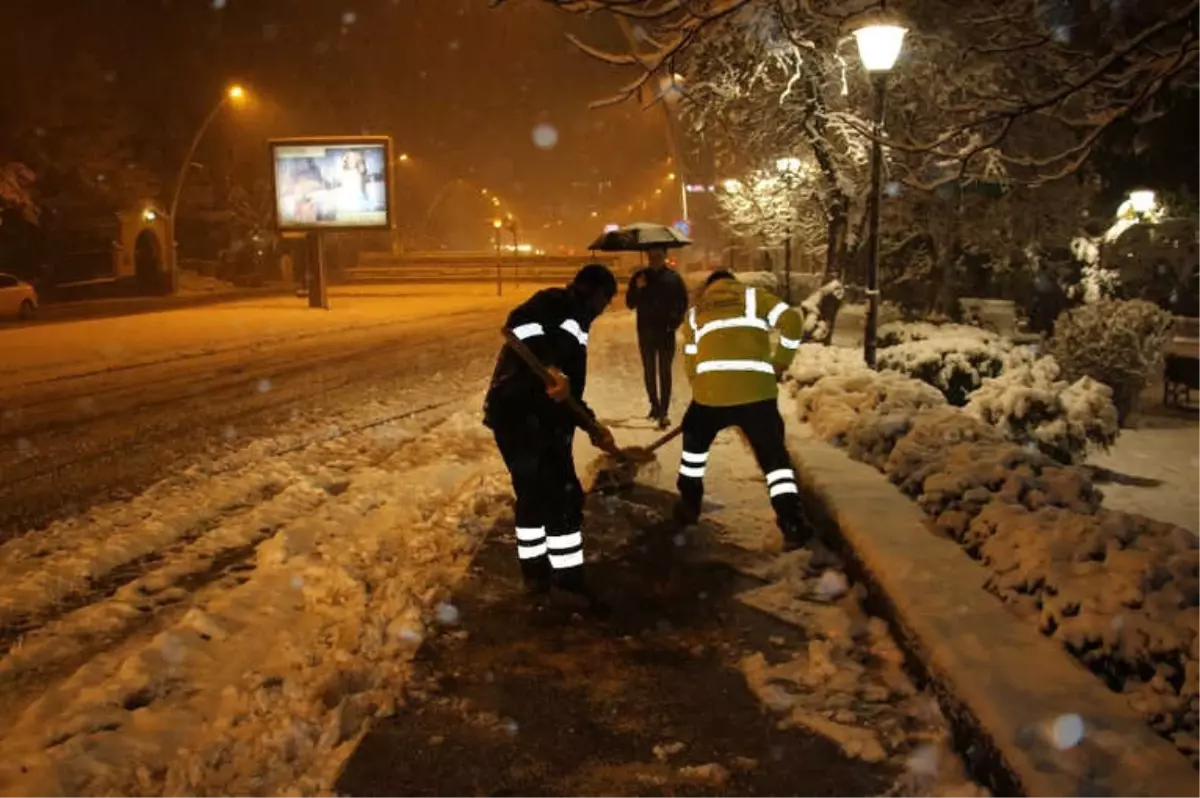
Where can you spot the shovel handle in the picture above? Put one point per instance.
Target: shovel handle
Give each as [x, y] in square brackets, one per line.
[531, 360]
[665, 439]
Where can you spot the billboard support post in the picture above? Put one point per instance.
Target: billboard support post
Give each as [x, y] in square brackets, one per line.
[318, 296]
[499, 265]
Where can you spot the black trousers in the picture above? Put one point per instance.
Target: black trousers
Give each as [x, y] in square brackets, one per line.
[763, 427]
[658, 351]
[549, 497]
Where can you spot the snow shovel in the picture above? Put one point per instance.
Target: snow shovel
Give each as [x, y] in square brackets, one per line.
[531, 360]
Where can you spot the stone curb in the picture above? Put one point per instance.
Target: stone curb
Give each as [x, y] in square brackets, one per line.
[1002, 684]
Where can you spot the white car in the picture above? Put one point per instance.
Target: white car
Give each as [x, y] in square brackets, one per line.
[17, 298]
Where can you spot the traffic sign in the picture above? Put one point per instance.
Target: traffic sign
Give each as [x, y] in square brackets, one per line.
[684, 227]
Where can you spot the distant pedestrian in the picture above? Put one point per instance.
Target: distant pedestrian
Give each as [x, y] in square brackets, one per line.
[658, 295]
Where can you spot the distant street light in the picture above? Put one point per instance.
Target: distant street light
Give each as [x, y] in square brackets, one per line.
[879, 43]
[235, 94]
[1143, 201]
[403, 157]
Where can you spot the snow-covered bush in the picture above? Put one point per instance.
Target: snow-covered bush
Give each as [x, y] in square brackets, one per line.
[901, 332]
[1120, 591]
[863, 410]
[815, 362]
[1030, 405]
[1120, 343]
[764, 280]
[955, 365]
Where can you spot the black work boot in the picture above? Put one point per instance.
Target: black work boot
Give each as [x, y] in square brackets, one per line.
[684, 514]
[536, 575]
[574, 587]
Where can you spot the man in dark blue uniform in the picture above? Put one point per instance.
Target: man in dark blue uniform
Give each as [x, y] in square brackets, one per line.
[534, 428]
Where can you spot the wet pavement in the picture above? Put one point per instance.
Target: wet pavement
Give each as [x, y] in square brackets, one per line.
[513, 701]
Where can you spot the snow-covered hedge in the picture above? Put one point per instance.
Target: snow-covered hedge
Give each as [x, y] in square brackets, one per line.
[1120, 343]
[1030, 405]
[901, 332]
[1120, 591]
[955, 365]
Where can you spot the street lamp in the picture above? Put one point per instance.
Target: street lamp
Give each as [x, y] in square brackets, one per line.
[879, 42]
[1143, 201]
[234, 93]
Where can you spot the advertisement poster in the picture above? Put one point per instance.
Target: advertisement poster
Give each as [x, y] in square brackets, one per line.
[332, 183]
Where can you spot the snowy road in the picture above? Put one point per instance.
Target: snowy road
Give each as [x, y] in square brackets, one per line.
[97, 410]
[229, 622]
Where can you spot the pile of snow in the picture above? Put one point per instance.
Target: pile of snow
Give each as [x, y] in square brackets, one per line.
[847, 683]
[1120, 591]
[193, 678]
[1032, 406]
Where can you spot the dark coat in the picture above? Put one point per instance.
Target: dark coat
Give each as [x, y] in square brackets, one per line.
[661, 302]
[554, 324]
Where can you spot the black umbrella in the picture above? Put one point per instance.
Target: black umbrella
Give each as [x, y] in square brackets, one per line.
[639, 237]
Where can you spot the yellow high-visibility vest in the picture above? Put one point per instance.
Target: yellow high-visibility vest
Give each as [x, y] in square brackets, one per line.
[727, 350]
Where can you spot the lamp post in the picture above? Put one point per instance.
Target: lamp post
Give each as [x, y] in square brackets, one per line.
[235, 93]
[879, 42]
[790, 169]
[497, 225]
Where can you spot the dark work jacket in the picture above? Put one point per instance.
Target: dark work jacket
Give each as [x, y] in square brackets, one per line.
[661, 303]
[554, 324]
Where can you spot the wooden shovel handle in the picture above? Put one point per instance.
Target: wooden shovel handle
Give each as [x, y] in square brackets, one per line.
[531, 360]
[665, 439]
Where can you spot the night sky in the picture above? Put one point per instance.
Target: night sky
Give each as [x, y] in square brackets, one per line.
[460, 86]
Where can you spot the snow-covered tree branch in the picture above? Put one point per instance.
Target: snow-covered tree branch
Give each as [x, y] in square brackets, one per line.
[986, 88]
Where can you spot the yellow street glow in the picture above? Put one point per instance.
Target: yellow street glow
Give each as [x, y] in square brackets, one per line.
[236, 92]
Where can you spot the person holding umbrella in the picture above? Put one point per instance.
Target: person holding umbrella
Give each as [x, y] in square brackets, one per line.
[660, 299]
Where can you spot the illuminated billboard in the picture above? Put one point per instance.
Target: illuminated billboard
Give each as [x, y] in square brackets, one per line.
[332, 183]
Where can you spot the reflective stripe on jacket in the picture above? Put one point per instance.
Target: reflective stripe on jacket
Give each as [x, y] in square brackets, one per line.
[728, 354]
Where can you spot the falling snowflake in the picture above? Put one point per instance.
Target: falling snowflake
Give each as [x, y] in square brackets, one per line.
[263, 385]
[297, 582]
[218, 4]
[545, 136]
[1067, 731]
[349, 18]
[229, 433]
[446, 614]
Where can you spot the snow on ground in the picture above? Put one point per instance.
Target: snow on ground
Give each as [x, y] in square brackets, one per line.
[231, 629]
[57, 351]
[1158, 472]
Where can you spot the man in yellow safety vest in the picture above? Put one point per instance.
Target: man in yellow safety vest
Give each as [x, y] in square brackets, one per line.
[734, 375]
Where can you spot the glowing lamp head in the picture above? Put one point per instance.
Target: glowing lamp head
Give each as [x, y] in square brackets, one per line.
[879, 45]
[149, 215]
[1143, 200]
[237, 93]
[496, 223]
[403, 157]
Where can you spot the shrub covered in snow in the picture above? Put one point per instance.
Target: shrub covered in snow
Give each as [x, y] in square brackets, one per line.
[1030, 405]
[955, 365]
[906, 332]
[1120, 343]
[815, 362]
[1120, 591]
